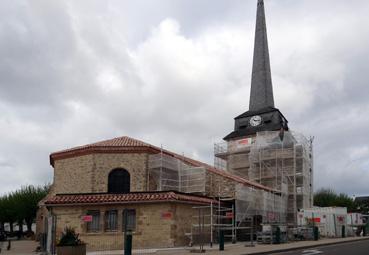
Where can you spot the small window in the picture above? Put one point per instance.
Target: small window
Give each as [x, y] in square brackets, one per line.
[94, 225]
[111, 220]
[243, 126]
[131, 219]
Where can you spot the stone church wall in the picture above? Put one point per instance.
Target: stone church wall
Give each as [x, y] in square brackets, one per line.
[218, 185]
[89, 173]
[158, 225]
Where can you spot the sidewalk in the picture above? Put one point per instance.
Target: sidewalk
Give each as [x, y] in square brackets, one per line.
[21, 247]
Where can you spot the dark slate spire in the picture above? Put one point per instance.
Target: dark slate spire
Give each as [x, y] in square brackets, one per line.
[261, 95]
[262, 115]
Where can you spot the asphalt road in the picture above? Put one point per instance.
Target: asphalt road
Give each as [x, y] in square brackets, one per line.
[352, 248]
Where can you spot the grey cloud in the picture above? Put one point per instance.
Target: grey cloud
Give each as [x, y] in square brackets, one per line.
[176, 73]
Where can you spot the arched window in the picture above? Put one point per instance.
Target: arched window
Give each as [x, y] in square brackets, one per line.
[119, 181]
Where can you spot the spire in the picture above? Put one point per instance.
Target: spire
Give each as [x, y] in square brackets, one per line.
[261, 95]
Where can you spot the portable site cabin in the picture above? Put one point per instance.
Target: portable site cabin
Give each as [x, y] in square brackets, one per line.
[329, 220]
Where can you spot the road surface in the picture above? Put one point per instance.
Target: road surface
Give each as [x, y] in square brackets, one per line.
[352, 248]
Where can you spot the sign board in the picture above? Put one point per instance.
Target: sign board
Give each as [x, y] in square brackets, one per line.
[315, 220]
[167, 215]
[341, 219]
[87, 218]
[243, 143]
[271, 216]
[229, 215]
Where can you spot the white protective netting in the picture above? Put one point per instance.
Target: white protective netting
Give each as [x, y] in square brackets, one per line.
[169, 173]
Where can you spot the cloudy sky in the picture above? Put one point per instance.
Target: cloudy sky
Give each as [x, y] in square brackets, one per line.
[176, 73]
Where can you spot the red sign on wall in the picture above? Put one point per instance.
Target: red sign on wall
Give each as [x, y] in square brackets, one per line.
[87, 218]
[229, 215]
[166, 215]
[316, 220]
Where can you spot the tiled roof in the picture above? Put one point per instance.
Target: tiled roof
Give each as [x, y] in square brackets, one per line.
[115, 145]
[127, 144]
[105, 198]
[123, 141]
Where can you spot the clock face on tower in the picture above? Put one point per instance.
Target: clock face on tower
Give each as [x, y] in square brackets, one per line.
[255, 120]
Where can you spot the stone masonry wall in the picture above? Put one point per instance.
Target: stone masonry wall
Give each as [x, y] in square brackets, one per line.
[182, 224]
[89, 173]
[134, 163]
[157, 225]
[216, 183]
[73, 175]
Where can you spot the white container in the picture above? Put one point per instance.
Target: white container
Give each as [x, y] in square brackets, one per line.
[355, 219]
[329, 220]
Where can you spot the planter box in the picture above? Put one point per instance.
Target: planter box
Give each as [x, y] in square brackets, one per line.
[71, 250]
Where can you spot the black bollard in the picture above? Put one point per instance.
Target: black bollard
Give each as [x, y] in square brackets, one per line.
[343, 231]
[221, 240]
[278, 236]
[128, 243]
[9, 245]
[316, 233]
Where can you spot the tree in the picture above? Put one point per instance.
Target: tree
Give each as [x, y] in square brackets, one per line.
[7, 211]
[344, 200]
[21, 206]
[325, 197]
[328, 197]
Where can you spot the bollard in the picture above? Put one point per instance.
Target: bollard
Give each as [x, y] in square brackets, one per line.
[221, 240]
[366, 229]
[278, 236]
[343, 231]
[316, 233]
[128, 243]
[9, 245]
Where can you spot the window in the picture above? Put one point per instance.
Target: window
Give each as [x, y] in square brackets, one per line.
[131, 219]
[94, 225]
[111, 220]
[119, 181]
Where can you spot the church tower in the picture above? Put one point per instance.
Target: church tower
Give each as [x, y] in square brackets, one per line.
[262, 149]
[262, 115]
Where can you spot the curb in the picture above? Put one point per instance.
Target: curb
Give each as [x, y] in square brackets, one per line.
[307, 246]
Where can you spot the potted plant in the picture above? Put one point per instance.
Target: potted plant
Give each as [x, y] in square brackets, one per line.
[70, 244]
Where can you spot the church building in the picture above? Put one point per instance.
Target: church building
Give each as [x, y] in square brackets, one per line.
[262, 171]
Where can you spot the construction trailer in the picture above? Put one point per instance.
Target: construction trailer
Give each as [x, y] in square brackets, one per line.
[331, 221]
[281, 160]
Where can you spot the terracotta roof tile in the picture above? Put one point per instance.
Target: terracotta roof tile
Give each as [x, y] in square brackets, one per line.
[169, 196]
[123, 141]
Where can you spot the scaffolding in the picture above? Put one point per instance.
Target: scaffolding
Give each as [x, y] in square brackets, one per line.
[270, 207]
[208, 220]
[169, 173]
[280, 160]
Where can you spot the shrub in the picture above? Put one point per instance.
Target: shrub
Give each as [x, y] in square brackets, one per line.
[70, 238]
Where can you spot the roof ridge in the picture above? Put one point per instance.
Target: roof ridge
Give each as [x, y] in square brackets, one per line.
[105, 143]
